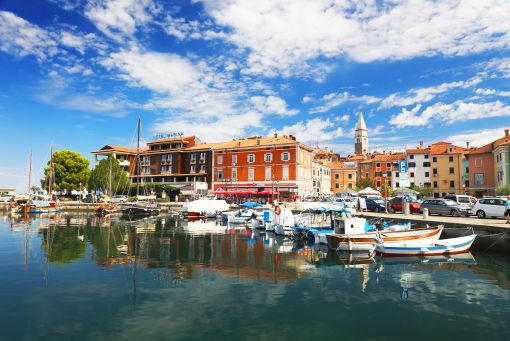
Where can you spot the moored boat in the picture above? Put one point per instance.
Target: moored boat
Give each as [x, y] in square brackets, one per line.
[350, 236]
[107, 208]
[448, 246]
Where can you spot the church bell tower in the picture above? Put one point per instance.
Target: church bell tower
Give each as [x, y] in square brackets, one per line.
[361, 136]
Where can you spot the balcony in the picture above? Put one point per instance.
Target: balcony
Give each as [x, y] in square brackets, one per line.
[202, 160]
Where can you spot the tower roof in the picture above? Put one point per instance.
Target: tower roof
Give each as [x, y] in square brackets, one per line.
[361, 122]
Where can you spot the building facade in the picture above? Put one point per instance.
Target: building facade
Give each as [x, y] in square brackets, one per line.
[418, 164]
[502, 159]
[278, 164]
[343, 176]
[447, 169]
[321, 178]
[481, 171]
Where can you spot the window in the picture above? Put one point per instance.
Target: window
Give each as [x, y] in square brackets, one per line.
[219, 174]
[452, 170]
[378, 165]
[234, 159]
[427, 174]
[378, 184]
[412, 164]
[202, 169]
[336, 176]
[251, 158]
[452, 184]
[349, 176]
[286, 156]
[426, 156]
[434, 184]
[411, 157]
[434, 159]
[426, 164]
[166, 169]
[378, 174]
[434, 171]
[478, 162]
[479, 178]
[349, 185]
[251, 174]
[202, 157]
[268, 173]
[193, 158]
[450, 158]
[388, 165]
[234, 174]
[268, 157]
[337, 186]
[412, 175]
[285, 173]
[388, 174]
[192, 169]
[220, 159]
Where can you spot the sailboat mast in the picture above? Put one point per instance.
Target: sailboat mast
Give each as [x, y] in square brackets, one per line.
[30, 171]
[138, 164]
[50, 174]
[110, 185]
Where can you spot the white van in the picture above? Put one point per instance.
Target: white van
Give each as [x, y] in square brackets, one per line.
[489, 207]
[464, 200]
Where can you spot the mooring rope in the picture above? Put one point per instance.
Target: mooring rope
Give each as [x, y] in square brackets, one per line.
[497, 240]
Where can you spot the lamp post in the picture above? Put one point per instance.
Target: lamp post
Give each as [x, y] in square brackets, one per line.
[81, 195]
[385, 204]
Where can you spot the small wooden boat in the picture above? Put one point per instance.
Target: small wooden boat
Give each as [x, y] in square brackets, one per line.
[141, 209]
[350, 236]
[107, 208]
[430, 248]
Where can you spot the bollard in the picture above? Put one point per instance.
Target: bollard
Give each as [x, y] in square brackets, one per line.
[425, 213]
[407, 208]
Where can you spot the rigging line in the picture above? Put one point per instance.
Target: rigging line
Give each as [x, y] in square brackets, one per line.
[497, 240]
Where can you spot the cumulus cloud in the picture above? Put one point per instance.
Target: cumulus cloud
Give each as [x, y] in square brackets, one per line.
[21, 38]
[119, 19]
[314, 130]
[423, 95]
[477, 138]
[492, 92]
[272, 105]
[282, 40]
[458, 111]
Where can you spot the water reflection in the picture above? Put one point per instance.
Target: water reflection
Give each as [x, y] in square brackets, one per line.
[158, 267]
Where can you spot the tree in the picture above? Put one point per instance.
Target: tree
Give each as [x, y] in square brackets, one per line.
[100, 176]
[364, 183]
[35, 189]
[387, 191]
[425, 191]
[70, 169]
[503, 190]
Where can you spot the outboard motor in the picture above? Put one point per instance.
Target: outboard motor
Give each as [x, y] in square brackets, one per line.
[379, 226]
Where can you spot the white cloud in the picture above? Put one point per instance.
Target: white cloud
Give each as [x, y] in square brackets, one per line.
[334, 100]
[21, 38]
[477, 138]
[423, 95]
[283, 39]
[120, 19]
[458, 111]
[272, 105]
[499, 66]
[74, 41]
[342, 119]
[193, 29]
[492, 92]
[314, 130]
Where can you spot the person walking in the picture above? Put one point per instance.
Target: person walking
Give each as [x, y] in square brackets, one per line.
[507, 211]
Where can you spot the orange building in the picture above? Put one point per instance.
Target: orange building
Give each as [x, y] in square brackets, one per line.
[272, 164]
[343, 176]
[382, 169]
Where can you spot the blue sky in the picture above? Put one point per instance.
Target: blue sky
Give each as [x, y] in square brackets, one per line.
[77, 74]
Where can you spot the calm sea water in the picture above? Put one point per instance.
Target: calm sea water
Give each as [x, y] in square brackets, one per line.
[80, 277]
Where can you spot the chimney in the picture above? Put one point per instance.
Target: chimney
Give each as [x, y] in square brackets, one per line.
[275, 135]
[467, 144]
[258, 142]
[421, 145]
[506, 132]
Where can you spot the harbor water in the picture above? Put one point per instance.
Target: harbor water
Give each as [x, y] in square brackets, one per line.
[81, 277]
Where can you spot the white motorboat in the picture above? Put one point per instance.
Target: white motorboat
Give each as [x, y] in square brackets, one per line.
[424, 248]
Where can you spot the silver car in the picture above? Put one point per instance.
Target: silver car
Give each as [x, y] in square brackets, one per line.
[444, 207]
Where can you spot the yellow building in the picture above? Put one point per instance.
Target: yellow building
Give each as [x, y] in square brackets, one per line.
[448, 169]
[343, 176]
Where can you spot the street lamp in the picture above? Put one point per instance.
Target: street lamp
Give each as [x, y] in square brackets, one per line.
[385, 204]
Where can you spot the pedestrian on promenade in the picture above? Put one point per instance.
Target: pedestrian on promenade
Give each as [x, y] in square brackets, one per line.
[507, 211]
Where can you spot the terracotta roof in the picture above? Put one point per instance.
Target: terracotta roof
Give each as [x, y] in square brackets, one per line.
[389, 157]
[502, 141]
[441, 143]
[247, 142]
[183, 139]
[127, 150]
[442, 148]
[418, 151]
[356, 157]
[482, 150]
[339, 166]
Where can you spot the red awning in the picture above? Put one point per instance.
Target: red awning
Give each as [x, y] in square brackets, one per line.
[220, 191]
[268, 191]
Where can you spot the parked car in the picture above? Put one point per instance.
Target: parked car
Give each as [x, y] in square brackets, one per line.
[349, 202]
[464, 200]
[88, 198]
[375, 205]
[444, 207]
[395, 205]
[119, 199]
[489, 207]
[6, 198]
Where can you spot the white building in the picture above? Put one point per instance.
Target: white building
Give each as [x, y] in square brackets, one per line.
[321, 178]
[418, 165]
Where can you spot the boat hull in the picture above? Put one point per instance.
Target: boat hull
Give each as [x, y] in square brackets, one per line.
[450, 246]
[367, 241]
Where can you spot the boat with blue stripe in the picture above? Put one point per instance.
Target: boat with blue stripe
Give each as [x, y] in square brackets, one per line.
[434, 248]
